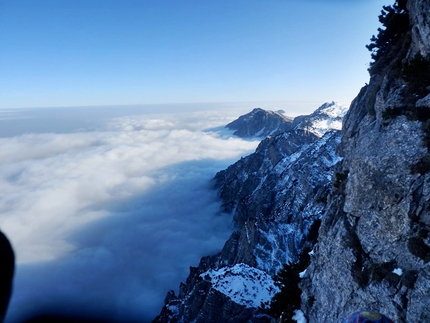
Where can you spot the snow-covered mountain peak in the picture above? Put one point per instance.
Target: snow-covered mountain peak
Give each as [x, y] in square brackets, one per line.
[327, 117]
[332, 110]
[261, 123]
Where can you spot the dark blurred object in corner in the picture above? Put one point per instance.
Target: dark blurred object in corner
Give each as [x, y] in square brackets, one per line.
[7, 266]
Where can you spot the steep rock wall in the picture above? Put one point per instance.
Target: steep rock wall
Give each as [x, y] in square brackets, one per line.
[374, 249]
[275, 195]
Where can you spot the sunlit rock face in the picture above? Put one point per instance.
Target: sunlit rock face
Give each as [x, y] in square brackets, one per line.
[370, 185]
[274, 195]
[374, 248]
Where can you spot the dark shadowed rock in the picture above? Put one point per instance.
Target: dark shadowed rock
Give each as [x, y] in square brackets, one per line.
[275, 195]
[7, 265]
[260, 123]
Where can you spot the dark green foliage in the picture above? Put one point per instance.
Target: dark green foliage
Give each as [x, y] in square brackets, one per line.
[411, 112]
[384, 271]
[313, 231]
[422, 166]
[392, 112]
[340, 178]
[359, 272]
[409, 278]
[423, 233]
[414, 91]
[352, 241]
[395, 22]
[284, 303]
[379, 272]
[418, 248]
[323, 198]
[311, 301]
[425, 126]
[416, 73]
[393, 279]
[360, 275]
[288, 299]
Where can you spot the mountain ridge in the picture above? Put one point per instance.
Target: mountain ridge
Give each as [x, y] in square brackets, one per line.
[368, 184]
[273, 203]
[261, 123]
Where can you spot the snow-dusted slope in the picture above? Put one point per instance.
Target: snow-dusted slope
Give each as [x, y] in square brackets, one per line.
[327, 117]
[243, 284]
[277, 202]
[262, 123]
[376, 219]
[275, 195]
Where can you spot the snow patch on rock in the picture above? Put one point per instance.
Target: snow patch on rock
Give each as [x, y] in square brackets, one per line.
[244, 285]
[398, 271]
[299, 317]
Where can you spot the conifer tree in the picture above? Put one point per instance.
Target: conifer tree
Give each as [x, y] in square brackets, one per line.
[395, 22]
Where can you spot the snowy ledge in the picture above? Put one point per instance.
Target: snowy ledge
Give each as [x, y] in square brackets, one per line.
[243, 284]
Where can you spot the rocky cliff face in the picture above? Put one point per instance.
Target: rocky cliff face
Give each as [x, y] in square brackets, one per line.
[370, 186]
[374, 248]
[327, 117]
[275, 195]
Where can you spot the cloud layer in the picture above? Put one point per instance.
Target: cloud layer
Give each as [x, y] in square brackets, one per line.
[109, 220]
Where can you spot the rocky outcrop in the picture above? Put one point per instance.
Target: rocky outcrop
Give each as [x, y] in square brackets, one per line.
[275, 195]
[260, 123]
[370, 186]
[420, 28]
[288, 197]
[374, 247]
[242, 178]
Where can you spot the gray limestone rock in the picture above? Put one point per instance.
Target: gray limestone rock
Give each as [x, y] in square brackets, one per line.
[419, 12]
[373, 250]
[275, 195]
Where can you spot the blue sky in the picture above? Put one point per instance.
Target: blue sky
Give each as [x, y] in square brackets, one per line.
[106, 52]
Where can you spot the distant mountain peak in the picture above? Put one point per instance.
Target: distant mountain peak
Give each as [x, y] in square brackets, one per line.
[332, 109]
[263, 123]
[260, 123]
[327, 117]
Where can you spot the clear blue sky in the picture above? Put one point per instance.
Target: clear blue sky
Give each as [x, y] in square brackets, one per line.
[114, 52]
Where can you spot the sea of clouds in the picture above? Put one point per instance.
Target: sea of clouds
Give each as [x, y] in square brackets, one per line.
[106, 211]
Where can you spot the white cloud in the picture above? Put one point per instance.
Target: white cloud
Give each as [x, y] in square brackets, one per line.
[113, 217]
